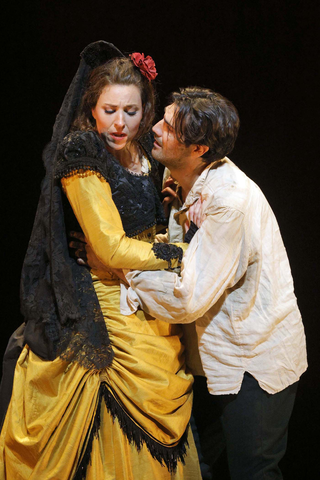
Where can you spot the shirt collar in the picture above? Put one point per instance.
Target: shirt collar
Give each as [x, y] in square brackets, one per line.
[196, 189]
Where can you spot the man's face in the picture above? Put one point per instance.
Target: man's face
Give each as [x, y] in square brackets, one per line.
[166, 148]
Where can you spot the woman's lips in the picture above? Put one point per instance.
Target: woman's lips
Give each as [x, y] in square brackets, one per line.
[118, 136]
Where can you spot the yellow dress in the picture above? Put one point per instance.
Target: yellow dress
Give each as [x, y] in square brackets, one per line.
[54, 404]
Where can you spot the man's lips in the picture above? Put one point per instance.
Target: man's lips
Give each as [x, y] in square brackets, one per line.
[156, 143]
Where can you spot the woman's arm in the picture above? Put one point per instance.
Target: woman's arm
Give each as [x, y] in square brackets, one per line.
[91, 200]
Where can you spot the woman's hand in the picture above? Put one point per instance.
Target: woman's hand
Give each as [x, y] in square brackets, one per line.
[195, 214]
[169, 193]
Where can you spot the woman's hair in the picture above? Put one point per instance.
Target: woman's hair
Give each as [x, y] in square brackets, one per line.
[204, 117]
[118, 71]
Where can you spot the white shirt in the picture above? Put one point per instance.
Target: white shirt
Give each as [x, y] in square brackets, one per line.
[235, 283]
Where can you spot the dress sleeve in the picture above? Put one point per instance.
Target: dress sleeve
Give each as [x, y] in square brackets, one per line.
[215, 260]
[90, 197]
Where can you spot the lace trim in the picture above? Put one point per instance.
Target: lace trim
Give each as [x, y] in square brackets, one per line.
[191, 232]
[81, 170]
[144, 168]
[141, 230]
[85, 171]
[168, 456]
[147, 235]
[168, 252]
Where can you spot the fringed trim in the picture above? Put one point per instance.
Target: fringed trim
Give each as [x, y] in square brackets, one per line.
[168, 456]
[80, 170]
[86, 458]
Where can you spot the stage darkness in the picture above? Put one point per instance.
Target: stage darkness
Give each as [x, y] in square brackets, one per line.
[262, 55]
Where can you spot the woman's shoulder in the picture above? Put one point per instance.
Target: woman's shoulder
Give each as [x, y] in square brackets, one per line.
[81, 150]
[81, 143]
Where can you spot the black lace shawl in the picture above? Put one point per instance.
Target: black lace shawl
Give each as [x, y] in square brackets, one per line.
[58, 301]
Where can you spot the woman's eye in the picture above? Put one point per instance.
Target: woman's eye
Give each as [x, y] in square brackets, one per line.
[131, 113]
[109, 111]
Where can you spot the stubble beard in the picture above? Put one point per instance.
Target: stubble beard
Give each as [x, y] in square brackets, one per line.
[169, 162]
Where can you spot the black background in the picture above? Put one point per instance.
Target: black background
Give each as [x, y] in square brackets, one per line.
[262, 55]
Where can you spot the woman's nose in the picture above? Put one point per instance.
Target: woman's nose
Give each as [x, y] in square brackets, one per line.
[119, 120]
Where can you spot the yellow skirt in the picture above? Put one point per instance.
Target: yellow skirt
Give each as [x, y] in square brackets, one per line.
[55, 405]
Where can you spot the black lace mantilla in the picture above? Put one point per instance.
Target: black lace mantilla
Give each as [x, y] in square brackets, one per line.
[135, 196]
[58, 300]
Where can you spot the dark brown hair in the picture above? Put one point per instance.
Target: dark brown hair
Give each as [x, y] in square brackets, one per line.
[204, 117]
[118, 71]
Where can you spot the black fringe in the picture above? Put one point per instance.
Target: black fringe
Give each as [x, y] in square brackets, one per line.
[168, 456]
[86, 459]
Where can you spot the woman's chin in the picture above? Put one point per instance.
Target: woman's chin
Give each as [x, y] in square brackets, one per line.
[114, 143]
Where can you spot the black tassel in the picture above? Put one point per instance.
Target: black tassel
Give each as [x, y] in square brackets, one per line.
[168, 456]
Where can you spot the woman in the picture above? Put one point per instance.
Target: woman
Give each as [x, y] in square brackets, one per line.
[96, 394]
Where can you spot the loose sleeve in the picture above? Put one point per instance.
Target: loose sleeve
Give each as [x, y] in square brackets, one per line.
[215, 261]
[91, 200]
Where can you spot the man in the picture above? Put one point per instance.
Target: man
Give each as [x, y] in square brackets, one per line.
[235, 284]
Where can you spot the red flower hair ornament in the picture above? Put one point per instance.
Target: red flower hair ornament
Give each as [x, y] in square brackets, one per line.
[146, 65]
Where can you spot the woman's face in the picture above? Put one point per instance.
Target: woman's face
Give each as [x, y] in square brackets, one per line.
[118, 114]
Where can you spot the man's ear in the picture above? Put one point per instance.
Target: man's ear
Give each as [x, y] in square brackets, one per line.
[200, 150]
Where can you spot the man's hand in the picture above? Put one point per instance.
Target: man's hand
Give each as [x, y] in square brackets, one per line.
[87, 258]
[79, 246]
[84, 253]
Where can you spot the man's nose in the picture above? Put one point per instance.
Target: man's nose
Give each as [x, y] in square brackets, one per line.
[157, 128]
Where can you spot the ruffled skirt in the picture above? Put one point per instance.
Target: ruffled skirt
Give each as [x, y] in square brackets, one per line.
[129, 421]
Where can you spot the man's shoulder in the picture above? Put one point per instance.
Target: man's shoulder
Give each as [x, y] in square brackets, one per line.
[227, 185]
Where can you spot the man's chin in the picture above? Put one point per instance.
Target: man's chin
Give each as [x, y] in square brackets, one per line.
[155, 154]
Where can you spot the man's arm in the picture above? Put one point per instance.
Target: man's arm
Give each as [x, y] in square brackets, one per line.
[216, 259]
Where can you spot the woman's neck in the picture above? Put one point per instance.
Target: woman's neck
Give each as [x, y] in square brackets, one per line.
[128, 157]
